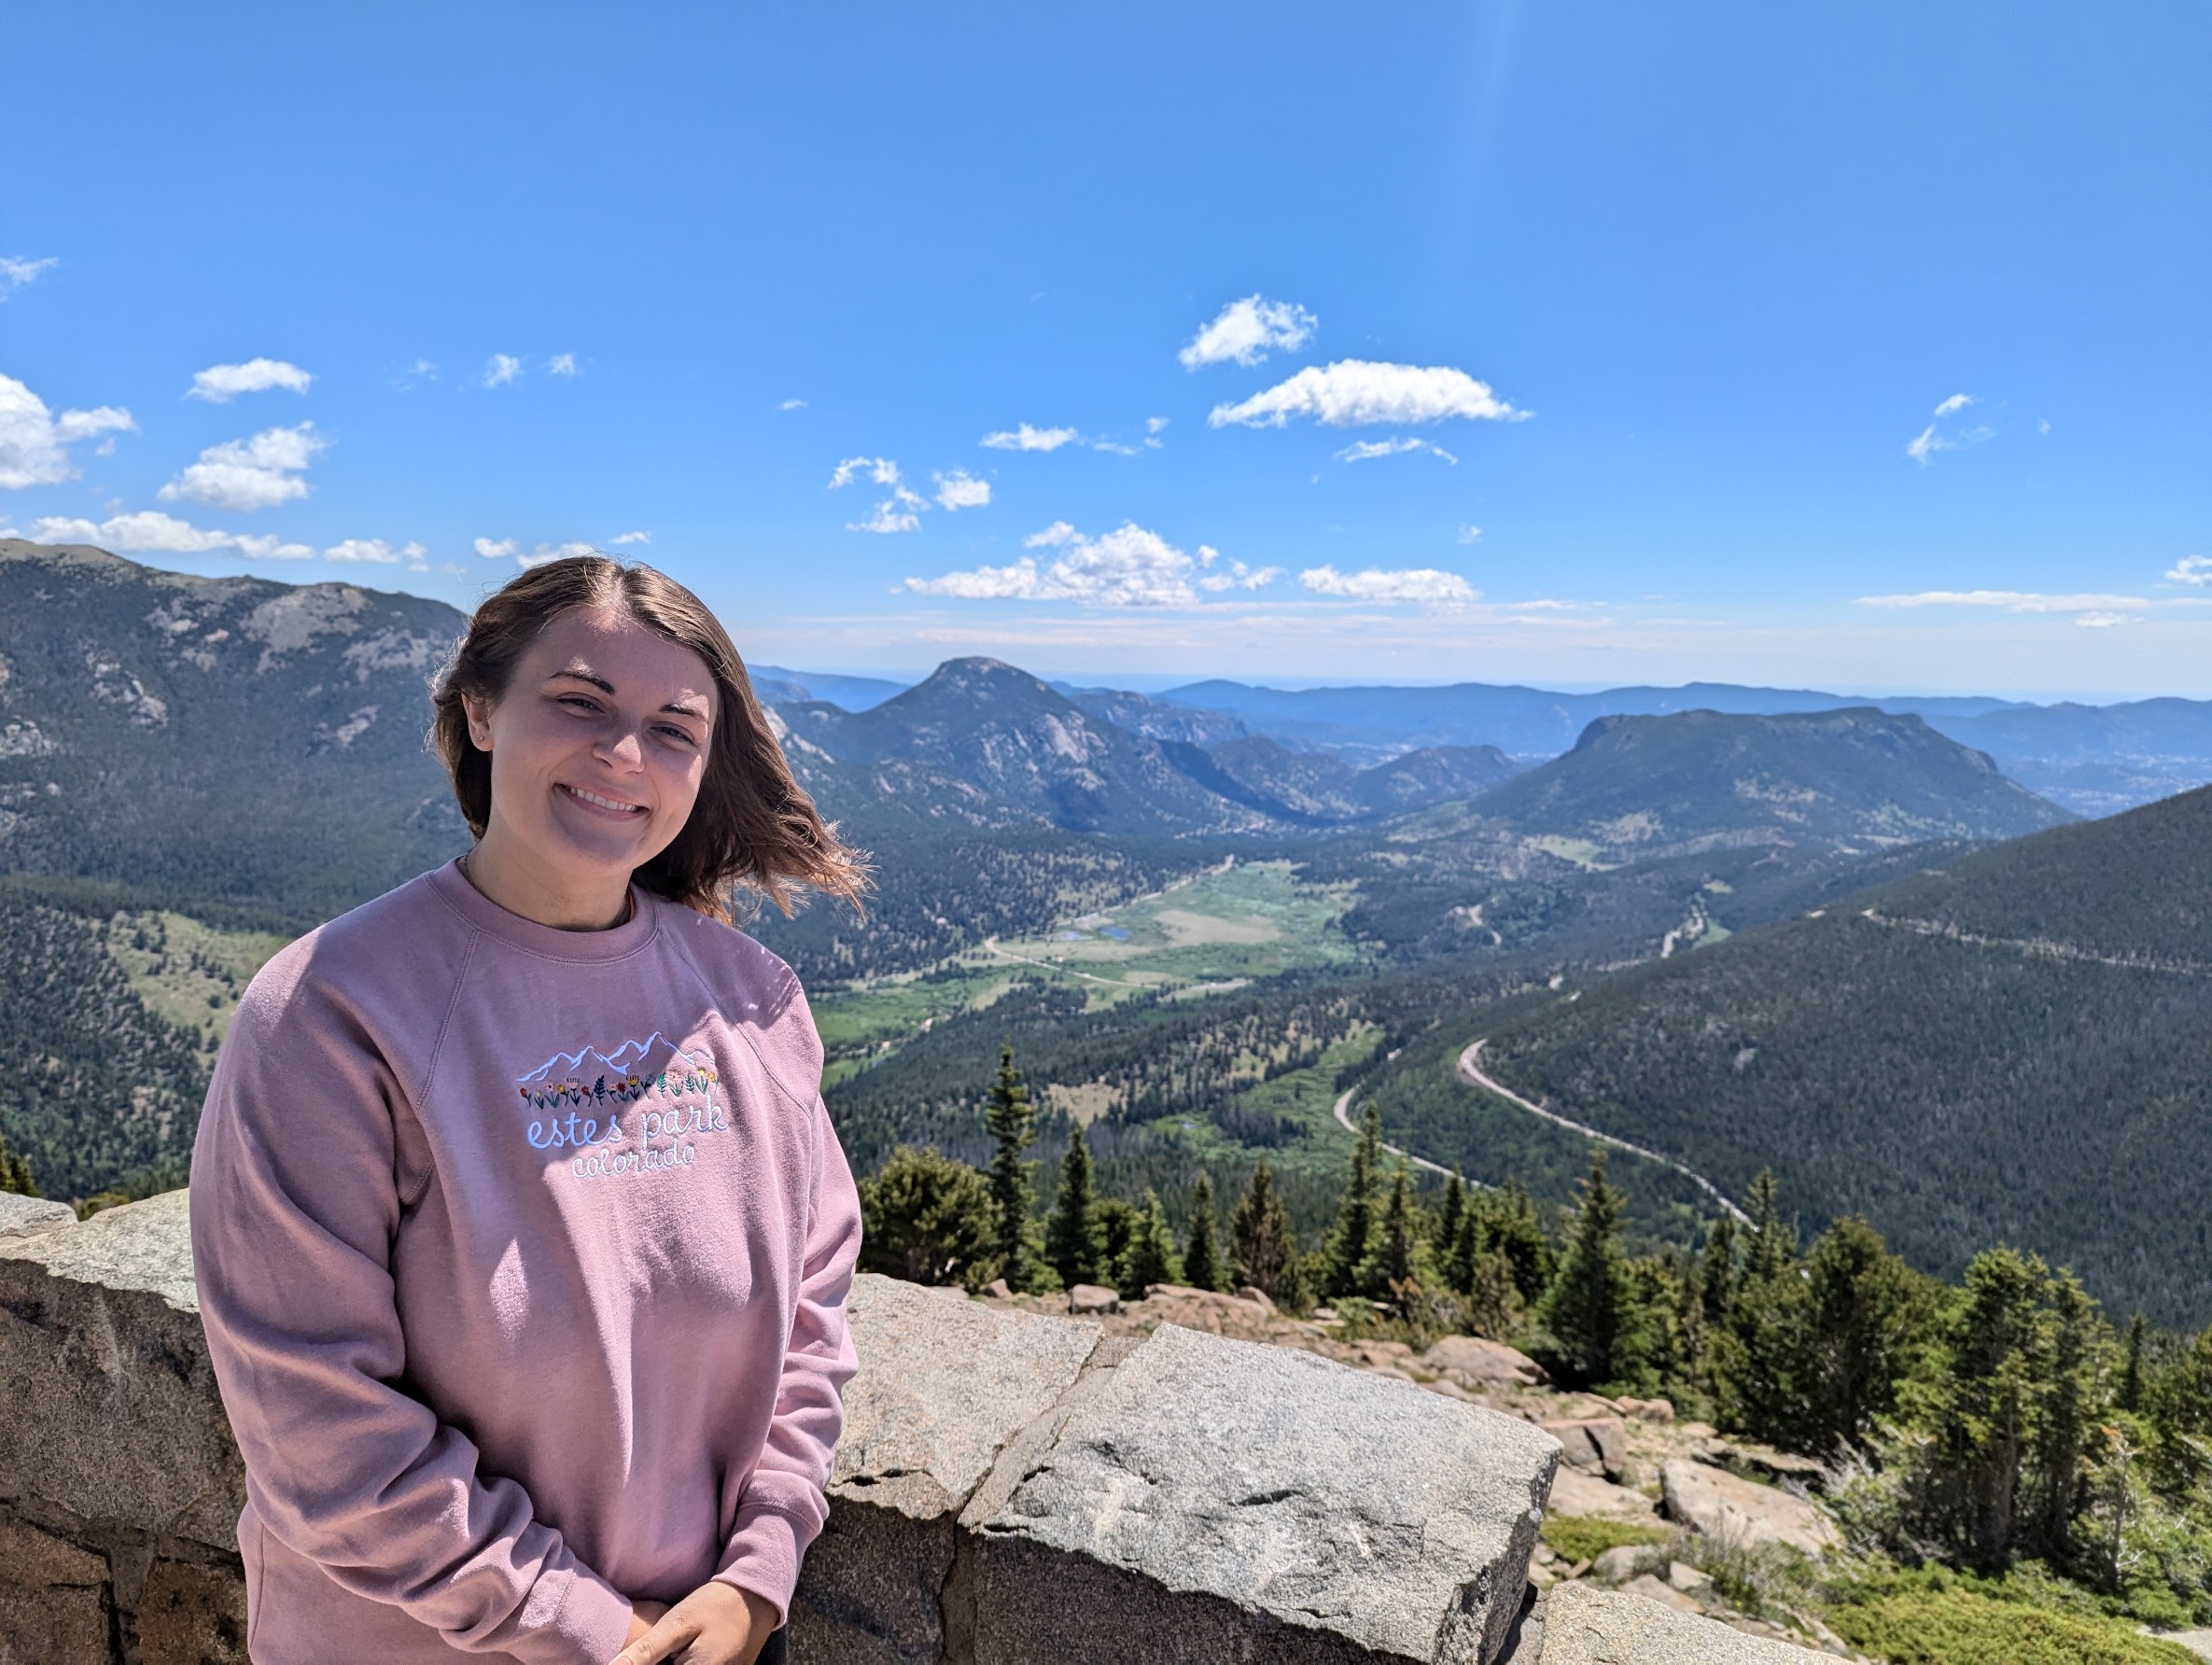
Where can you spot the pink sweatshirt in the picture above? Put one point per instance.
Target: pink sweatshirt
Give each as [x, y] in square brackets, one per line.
[523, 1255]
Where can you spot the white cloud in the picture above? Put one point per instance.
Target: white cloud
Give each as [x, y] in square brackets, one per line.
[1155, 425]
[2043, 427]
[1926, 445]
[960, 490]
[16, 271]
[34, 441]
[375, 552]
[220, 384]
[2191, 570]
[880, 469]
[1246, 331]
[628, 538]
[1956, 402]
[2105, 621]
[792, 404]
[898, 513]
[561, 364]
[1424, 584]
[2010, 601]
[1354, 391]
[1469, 534]
[150, 532]
[507, 549]
[1025, 438]
[243, 475]
[1360, 451]
[1130, 567]
[501, 369]
[422, 369]
[1237, 576]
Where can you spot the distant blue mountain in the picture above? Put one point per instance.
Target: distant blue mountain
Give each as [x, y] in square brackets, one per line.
[777, 684]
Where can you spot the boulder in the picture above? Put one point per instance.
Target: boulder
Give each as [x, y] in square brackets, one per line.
[1594, 1445]
[1732, 1510]
[1220, 1499]
[1688, 1579]
[1257, 1297]
[999, 1289]
[1093, 1299]
[1580, 1624]
[942, 1392]
[54, 1601]
[1473, 1361]
[1647, 1410]
[1574, 1492]
[1618, 1564]
[112, 1408]
[32, 1216]
[192, 1615]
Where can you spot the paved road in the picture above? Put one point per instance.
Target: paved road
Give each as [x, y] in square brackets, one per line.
[1344, 1116]
[1471, 1072]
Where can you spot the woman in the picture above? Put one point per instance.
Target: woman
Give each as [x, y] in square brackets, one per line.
[521, 1236]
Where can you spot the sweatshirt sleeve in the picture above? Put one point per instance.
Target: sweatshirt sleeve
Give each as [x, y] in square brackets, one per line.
[785, 1500]
[295, 1205]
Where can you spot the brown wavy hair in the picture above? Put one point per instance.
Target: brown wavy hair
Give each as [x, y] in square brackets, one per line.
[753, 825]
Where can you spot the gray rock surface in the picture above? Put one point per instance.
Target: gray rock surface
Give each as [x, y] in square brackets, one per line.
[1093, 1298]
[1214, 1490]
[1619, 1565]
[1574, 1492]
[1732, 1510]
[32, 1216]
[944, 1388]
[1471, 1362]
[112, 1408]
[1580, 1624]
[1595, 1445]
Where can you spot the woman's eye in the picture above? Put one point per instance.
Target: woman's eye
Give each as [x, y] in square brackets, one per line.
[576, 702]
[681, 736]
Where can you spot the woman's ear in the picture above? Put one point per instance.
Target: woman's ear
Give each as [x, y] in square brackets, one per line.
[478, 711]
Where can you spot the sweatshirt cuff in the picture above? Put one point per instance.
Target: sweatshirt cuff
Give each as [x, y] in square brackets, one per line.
[590, 1627]
[763, 1556]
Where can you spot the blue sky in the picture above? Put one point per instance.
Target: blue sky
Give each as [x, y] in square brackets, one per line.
[1580, 343]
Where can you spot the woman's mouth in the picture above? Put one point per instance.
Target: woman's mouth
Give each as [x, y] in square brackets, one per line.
[601, 802]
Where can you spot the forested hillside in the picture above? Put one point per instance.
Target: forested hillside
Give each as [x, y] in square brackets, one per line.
[2018, 1048]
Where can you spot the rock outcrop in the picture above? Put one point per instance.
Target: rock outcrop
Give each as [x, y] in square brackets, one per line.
[1728, 1507]
[1578, 1625]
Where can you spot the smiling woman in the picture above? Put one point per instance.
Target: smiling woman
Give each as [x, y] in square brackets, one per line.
[522, 1238]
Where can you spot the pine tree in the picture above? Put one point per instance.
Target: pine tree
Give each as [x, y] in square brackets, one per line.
[1388, 1267]
[2069, 1404]
[1351, 1239]
[1012, 1121]
[2129, 1396]
[1447, 1216]
[1757, 1364]
[1589, 1308]
[1982, 1414]
[1201, 1256]
[1506, 1223]
[15, 1172]
[1116, 1222]
[927, 1218]
[1262, 1243]
[1717, 1272]
[1150, 1257]
[1071, 1237]
[1864, 1317]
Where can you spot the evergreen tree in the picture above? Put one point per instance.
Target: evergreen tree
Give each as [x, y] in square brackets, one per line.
[1201, 1256]
[1757, 1364]
[1072, 1235]
[1012, 1122]
[927, 1218]
[2129, 1396]
[1351, 1239]
[1262, 1243]
[1717, 1272]
[2070, 1401]
[15, 1172]
[1117, 1222]
[1150, 1258]
[1388, 1267]
[1982, 1411]
[1589, 1310]
[2178, 1401]
[1865, 1318]
[1447, 1216]
[1508, 1224]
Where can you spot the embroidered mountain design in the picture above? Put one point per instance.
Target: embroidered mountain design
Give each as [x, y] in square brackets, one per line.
[631, 1058]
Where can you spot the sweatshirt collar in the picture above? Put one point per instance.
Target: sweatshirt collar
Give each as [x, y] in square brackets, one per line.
[547, 941]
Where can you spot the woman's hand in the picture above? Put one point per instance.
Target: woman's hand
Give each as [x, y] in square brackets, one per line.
[717, 1624]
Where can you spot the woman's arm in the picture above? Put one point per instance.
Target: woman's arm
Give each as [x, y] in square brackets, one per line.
[786, 1500]
[295, 1206]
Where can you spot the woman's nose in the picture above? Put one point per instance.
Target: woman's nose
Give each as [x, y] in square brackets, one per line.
[623, 748]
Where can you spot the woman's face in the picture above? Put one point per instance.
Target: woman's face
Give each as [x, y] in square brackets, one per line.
[598, 749]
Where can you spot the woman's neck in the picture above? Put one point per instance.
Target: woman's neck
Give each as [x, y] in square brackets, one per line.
[524, 888]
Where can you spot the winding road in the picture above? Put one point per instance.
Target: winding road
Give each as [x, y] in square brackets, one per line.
[1344, 1117]
[1470, 1072]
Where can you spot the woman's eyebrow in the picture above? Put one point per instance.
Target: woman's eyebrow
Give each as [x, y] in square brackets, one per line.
[686, 707]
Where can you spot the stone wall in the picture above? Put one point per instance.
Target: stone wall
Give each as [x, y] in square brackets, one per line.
[1012, 1488]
